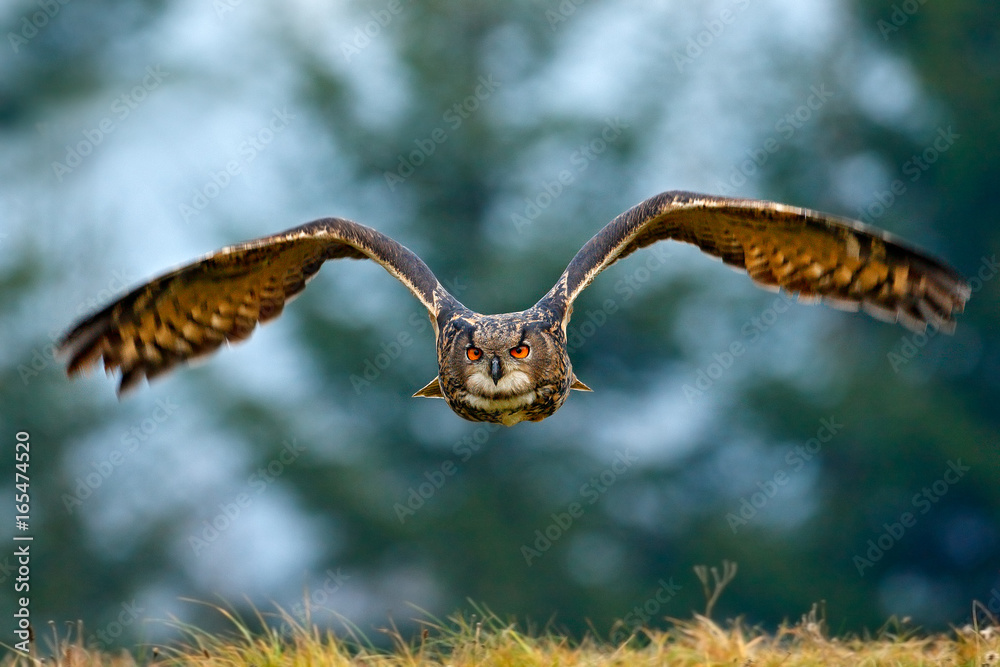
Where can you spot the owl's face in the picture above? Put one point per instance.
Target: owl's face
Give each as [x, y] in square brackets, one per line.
[503, 368]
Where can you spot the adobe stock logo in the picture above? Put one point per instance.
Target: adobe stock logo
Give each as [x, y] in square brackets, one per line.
[31, 25]
[910, 345]
[913, 169]
[579, 161]
[85, 485]
[923, 501]
[899, 17]
[712, 29]
[722, 361]
[436, 477]
[250, 148]
[455, 116]
[796, 458]
[784, 129]
[592, 490]
[641, 614]
[105, 637]
[363, 35]
[231, 510]
[119, 110]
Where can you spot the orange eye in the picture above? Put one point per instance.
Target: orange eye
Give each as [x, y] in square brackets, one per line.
[474, 354]
[519, 352]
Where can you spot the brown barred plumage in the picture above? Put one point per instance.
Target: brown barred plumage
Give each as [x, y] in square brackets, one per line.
[192, 310]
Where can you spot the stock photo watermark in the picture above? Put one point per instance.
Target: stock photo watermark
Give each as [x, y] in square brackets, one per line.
[579, 160]
[248, 150]
[435, 478]
[454, 117]
[121, 108]
[990, 606]
[899, 17]
[104, 637]
[922, 502]
[139, 433]
[317, 598]
[910, 345]
[22, 540]
[374, 366]
[705, 38]
[589, 321]
[362, 35]
[641, 614]
[231, 511]
[913, 168]
[389, 351]
[795, 460]
[44, 356]
[31, 24]
[590, 492]
[785, 128]
[725, 359]
[562, 12]
[224, 8]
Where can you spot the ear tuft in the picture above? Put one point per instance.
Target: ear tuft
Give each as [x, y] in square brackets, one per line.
[579, 386]
[431, 390]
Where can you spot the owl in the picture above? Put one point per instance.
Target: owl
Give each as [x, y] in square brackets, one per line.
[514, 367]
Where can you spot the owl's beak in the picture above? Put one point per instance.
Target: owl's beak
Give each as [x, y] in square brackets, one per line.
[495, 371]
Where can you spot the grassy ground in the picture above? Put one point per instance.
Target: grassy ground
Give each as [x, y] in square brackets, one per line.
[487, 640]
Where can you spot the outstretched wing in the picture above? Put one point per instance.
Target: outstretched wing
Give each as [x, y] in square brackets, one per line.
[820, 257]
[192, 310]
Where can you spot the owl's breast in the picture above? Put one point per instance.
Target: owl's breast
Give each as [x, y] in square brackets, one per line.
[533, 404]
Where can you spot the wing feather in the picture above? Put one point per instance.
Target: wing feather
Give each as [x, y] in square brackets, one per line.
[191, 311]
[814, 255]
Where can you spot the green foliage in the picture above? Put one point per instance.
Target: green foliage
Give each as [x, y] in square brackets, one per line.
[368, 495]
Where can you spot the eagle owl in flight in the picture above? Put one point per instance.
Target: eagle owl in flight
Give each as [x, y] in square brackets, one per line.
[514, 367]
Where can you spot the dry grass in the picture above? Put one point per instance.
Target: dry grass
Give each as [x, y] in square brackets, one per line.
[462, 641]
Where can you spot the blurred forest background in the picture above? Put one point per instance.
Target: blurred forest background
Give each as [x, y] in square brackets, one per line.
[838, 459]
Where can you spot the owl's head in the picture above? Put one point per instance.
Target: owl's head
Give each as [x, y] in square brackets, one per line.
[503, 368]
[503, 356]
